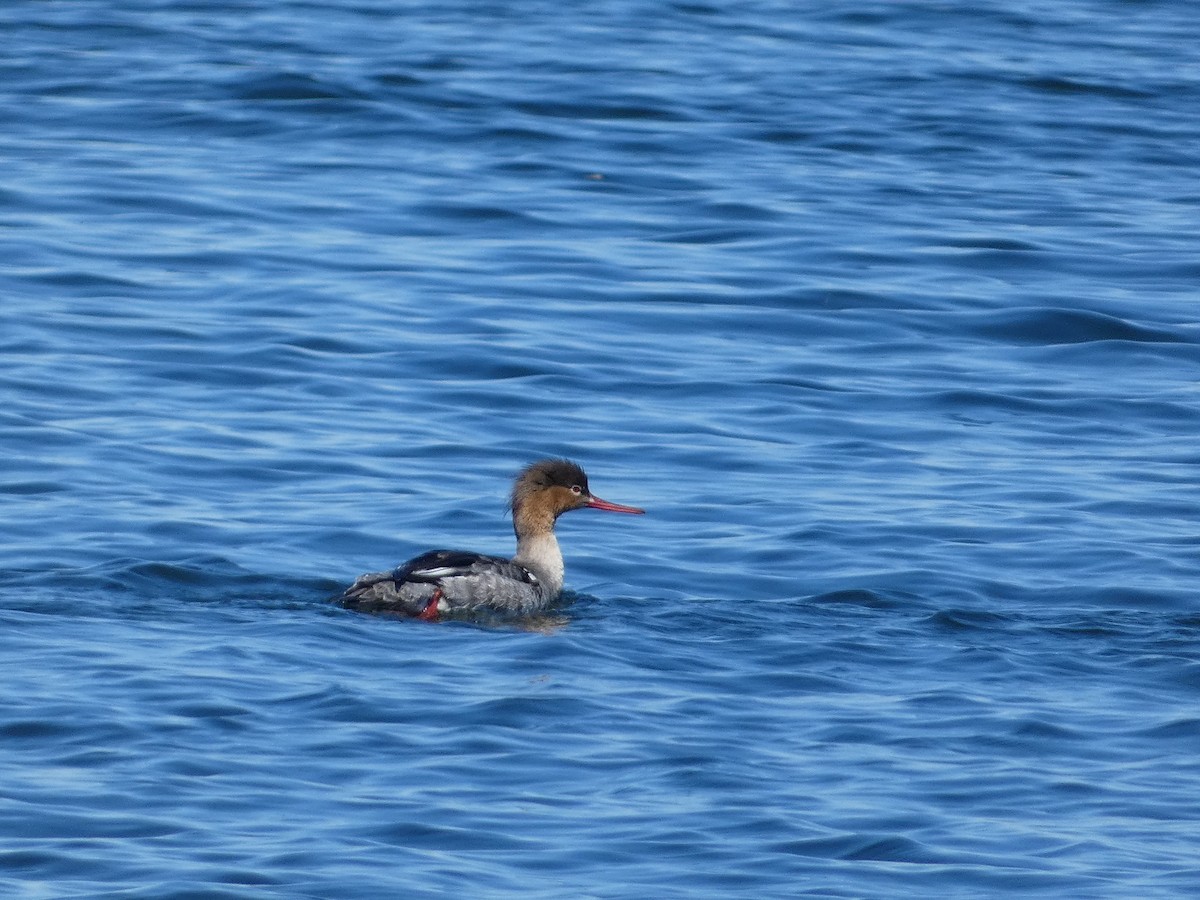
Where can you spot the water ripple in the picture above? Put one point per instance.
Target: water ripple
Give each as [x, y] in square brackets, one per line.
[901, 360]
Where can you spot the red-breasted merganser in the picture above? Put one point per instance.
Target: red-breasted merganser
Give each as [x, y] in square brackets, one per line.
[448, 581]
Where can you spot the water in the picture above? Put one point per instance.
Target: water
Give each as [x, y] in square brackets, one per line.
[884, 311]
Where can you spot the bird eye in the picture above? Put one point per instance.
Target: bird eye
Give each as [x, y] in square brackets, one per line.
[576, 489]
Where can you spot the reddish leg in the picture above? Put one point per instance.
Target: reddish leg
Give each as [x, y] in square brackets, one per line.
[430, 612]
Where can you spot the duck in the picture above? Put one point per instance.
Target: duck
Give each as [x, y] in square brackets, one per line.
[446, 583]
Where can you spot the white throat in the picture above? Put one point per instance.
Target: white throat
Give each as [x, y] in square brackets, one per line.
[540, 554]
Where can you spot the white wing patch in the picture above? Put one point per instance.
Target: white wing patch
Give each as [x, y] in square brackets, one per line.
[438, 572]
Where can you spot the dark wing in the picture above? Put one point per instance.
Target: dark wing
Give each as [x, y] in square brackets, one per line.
[432, 567]
[410, 588]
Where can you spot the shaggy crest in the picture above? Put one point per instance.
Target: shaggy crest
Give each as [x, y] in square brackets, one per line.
[546, 473]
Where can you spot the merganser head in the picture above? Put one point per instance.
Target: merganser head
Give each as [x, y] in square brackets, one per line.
[546, 489]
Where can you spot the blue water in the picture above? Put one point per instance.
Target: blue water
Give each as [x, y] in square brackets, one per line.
[885, 311]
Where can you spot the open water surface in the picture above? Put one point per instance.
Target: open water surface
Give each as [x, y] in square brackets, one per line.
[885, 311]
